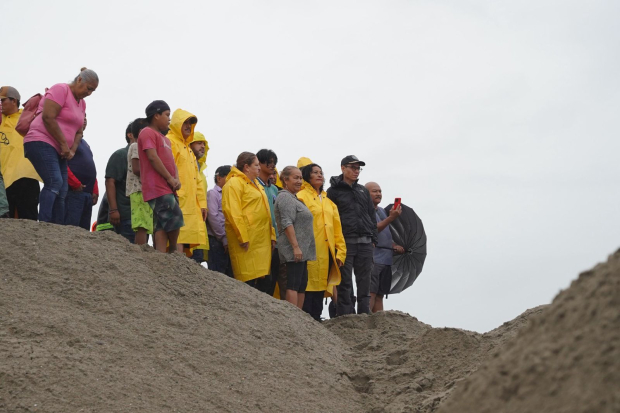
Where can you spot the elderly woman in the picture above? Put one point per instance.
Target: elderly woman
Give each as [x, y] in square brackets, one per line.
[331, 248]
[53, 138]
[250, 235]
[296, 244]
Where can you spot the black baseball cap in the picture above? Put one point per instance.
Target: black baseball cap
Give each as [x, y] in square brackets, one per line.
[155, 107]
[351, 159]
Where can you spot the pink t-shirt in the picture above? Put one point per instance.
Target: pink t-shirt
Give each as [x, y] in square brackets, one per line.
[70, 119]
[153, 184]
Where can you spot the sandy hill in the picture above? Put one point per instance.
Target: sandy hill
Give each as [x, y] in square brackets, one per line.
[91, 323]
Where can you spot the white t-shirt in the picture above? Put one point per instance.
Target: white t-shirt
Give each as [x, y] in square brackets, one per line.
[133, 181]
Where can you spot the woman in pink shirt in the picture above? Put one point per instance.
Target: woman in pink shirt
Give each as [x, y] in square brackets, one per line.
[53, 138]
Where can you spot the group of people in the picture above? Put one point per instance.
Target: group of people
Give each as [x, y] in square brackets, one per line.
[281, 233]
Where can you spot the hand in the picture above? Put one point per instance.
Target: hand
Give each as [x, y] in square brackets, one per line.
[339, 263]
[65, 152]
[79, 189]
[95, 198]
[174, 183]
[226, 248]
[398, 249]
[204, 213]
[297, 253]
[395, 212]
[245, 246]
[273, 245]
[115, 218]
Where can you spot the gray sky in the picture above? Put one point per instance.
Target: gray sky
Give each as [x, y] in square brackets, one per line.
[496, 121]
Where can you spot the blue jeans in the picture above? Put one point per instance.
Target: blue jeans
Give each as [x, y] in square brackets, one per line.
[53, 171]
[126, 231]
[218, 260]
[79, 209]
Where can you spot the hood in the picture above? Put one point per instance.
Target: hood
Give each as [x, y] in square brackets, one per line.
[199, 137]
[234, 172]
[178, 117]
[336, 181]
[303, 161]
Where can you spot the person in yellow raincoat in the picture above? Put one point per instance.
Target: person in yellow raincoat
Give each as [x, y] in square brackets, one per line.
[200, 147]
[20, 179]
[251, 237]
[331, 248]
[192, 196]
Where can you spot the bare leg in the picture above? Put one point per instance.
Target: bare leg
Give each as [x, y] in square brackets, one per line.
[291, 297]
[378, 306]
[141, 236]
[180, 248]
[373, 297]
[173, 236]
[300, 299]
[161, 241]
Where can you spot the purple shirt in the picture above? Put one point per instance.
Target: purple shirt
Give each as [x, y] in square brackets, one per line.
[215, 216]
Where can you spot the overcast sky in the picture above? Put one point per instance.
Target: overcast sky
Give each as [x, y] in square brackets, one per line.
[497, 121]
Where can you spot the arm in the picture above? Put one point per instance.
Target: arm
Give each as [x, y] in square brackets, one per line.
[341, 245]
[233, 211]
[74, 183]
[95, 193]
[290, 234]
[77, 140]
[135, 166]
[159, 167]
[201, 196]
[114, 215]
[394, 213]
[216, 222]
[51, 110]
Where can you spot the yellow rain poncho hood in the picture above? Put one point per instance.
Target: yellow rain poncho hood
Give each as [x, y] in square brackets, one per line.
[248, 219]
[192, 195]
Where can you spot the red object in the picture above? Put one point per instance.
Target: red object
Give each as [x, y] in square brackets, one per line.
[28, 114]
[74, 183]
[396, 203]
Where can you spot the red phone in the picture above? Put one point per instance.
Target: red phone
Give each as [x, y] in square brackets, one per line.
[396, 203]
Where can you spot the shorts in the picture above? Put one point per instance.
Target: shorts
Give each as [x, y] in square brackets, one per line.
[297, 276]
[141, 213]
[381, 279]
[167, 213]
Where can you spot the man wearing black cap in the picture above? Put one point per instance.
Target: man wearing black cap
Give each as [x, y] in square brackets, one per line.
[359, 227]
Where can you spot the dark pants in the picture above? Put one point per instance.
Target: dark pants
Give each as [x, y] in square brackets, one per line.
[23, 197]
[313, 304]
[275, 270]
[218, 259]
[198, 255]
[126, 231]
[359, 258]
[261, 284]
[79, 209]
[53, 171]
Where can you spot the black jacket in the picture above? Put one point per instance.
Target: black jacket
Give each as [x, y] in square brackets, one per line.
[357, 212]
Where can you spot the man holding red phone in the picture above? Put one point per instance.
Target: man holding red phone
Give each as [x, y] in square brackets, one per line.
[381, 276]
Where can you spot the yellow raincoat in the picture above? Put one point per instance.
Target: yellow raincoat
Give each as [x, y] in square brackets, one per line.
[14, 165]
[202, 163]
[248, 219]
[328, 238]
[192, 196]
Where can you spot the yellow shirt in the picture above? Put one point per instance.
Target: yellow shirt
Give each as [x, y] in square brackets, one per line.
[14, 165]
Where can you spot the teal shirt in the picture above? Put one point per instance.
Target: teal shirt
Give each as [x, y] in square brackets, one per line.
[272, 193]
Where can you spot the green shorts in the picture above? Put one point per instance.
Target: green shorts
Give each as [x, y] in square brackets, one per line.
[167, 213]
[141, 213]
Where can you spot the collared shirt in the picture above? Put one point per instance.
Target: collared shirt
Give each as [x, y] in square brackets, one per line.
[215, 216]
[272, 194]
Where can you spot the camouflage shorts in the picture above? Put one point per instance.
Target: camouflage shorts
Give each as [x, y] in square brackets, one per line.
[166, 213]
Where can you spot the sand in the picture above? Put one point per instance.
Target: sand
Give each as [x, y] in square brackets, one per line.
[89, 322]
[566, 359]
